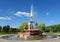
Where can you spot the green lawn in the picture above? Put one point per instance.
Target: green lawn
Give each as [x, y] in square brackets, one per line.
[56, 33]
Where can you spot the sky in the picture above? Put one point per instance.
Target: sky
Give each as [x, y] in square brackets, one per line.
[15, 12]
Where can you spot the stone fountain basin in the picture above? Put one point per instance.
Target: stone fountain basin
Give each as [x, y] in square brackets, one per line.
[36, 37]
[33, 31]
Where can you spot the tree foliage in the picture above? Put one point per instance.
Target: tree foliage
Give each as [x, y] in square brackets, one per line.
[54, 28]
[8, 29]
[23, 25]
[40, 27]
[0, 28]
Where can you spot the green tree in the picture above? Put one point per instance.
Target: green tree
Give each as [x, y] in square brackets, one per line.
[6, 29]
[23, 25]
[0, 28]
[40, 27]
[58, 27]
[54, 28]
[47, 29]
[43, 27]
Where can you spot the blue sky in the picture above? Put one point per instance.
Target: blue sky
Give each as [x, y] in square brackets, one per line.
[14, 12]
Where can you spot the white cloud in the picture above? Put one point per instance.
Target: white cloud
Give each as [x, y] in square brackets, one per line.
[22, 13]
[10, 12]
[7, 12]
[5, 18]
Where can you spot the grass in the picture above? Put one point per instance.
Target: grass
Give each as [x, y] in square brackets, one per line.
[56, 32]
[52, 32]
